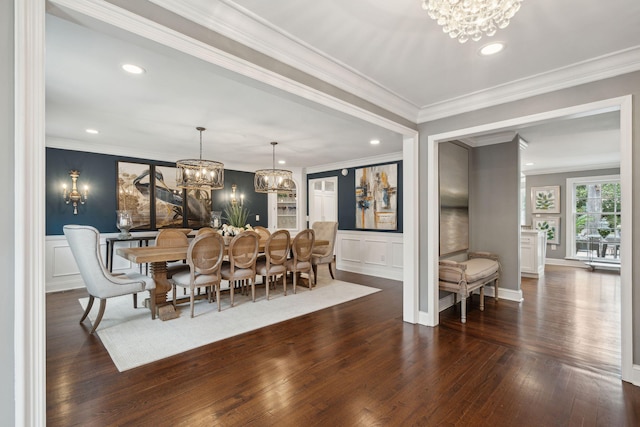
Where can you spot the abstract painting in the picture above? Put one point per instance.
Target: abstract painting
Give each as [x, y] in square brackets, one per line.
[168, 198]
[376, 197]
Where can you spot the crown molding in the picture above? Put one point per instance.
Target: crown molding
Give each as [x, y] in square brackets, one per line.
[580, 168]
[493, 138]
[611, 65]
[243, 26]
[356, 162]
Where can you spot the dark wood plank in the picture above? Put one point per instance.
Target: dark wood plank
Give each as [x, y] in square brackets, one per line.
[552, 360]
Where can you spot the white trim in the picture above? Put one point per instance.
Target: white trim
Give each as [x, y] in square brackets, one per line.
[135, 24]
[565, 262]
[242, 25]
[383, 158]
[624, 104]
[411, 229]
[611, 65]
[29, 208]
[570, 204]
[599, 166]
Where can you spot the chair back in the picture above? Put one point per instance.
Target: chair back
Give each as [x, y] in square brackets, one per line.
[205, 230]
[262, 232]
[325, 230]
[171, 238]
[303, 245]
[277, 247]
[243, 250]
[205, 253]
[84, 242]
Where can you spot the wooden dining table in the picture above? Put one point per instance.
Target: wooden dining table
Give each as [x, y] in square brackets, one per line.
[157, 258]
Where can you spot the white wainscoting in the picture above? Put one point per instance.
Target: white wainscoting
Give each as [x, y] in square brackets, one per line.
[373, 253]
[61, 271]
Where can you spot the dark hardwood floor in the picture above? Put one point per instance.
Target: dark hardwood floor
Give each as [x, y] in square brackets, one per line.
[553, 360]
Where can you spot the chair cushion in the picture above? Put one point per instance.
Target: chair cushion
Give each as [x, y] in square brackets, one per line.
[301, 266]
[261, 269]
[477, 268]
[184, 279]
[238, 274]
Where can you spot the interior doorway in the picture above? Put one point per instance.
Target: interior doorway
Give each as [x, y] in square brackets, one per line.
[622, 104]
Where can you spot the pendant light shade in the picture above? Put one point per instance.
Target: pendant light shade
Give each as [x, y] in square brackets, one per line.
[199, 174]
[273, 180]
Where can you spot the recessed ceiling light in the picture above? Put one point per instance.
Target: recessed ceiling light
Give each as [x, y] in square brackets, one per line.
[91, 131]
[491, 48]
[133, 69]
[529, 164]
[375, 141]
[282, 162]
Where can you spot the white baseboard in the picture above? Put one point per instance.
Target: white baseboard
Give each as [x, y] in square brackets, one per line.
[635, 380]
[566, 262]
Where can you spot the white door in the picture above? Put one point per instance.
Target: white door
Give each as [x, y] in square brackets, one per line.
[323, 199]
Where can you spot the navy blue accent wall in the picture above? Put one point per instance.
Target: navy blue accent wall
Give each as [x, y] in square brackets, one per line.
[347, 196]
[98, 171]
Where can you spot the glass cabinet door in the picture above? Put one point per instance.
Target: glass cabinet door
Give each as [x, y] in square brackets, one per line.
[287, 210]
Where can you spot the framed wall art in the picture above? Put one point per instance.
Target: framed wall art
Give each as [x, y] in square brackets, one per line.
[376, 197]
[551, 226]
[133, 193]
[168, 198]
[545, 199]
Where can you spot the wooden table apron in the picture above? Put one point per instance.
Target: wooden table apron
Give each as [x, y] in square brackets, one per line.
[158, 257]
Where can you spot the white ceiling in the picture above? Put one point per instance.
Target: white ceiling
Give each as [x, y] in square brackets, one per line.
[389, 52]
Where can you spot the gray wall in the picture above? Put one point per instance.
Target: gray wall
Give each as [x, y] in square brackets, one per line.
[561, 180]
[7, 255]
[628, 84]
[494, 210]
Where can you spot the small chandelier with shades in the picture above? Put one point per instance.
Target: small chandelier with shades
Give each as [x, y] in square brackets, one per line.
[471, 19]
[273, 180]
[199, 174]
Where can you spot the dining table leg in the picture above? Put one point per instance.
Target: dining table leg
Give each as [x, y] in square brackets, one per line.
[159, 274]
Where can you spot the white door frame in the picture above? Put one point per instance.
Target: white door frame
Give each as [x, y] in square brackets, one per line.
[624, 105]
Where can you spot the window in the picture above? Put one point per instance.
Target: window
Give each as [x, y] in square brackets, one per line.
[595, 220]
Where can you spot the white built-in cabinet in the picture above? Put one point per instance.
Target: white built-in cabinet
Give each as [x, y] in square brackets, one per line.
[533, 249]
[283, 211]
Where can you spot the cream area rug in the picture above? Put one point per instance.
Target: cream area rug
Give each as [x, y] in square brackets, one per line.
[133, 339]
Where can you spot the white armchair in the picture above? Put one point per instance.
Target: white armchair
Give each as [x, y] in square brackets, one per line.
[324, 230]
[84, 242]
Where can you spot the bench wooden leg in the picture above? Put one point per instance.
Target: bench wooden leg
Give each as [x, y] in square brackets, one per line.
[482, 298]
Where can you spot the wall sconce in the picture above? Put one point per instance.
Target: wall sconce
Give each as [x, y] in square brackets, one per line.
[74, 196]
[234, 199]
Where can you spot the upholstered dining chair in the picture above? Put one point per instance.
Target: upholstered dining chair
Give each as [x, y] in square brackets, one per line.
[84, 242]
[301, 260]
[276, 251]
[324, 230]
[243, 251]
[204, 258]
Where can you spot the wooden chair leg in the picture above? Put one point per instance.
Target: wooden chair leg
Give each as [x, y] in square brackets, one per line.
[218, 295]
[103, 304]
[88, 309]
[152, 303]
[463, 309]
[482, 298]
[315, 272]
[331, 271]
[284, 283]
[135, 299]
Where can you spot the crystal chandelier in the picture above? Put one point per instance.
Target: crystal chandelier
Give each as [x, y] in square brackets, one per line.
[470, 19]
[273, 180]
[198, 174]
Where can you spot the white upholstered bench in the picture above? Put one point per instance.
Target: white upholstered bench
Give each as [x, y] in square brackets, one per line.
[462, 278]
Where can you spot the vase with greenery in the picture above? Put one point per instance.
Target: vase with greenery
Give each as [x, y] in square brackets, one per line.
[236, 215]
